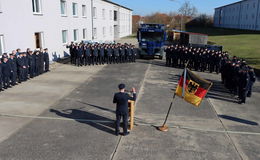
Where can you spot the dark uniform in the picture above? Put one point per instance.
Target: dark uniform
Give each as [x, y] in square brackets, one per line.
[13, 65]
[6, 72]
[121, 100]
[46, 61]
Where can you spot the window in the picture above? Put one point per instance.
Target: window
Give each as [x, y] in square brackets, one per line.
[84, 11]
[110, 15]
[104, 31]
[84, 33]
[103, 14]
[74, 9]
[75, 35]
[64, 36]
[1, 44]
[95, 33]
[36, 4]
[115, 15]
[63, 8]
[94, 12]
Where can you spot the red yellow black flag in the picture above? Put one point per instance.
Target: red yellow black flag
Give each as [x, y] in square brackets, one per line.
[195, 88]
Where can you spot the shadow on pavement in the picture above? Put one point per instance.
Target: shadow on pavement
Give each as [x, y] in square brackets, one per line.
[238, 120]
[95, 106]
[80, 116]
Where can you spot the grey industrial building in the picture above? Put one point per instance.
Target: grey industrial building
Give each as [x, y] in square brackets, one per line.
[240, 15]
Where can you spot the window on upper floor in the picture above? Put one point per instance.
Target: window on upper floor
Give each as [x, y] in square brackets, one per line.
[74, 9]
[115, 16]
[37, 6]
[104, 13]
[63, 7]
[64, 36]
[75, 35]
[84, 11]
[95, 33]
[94, 12]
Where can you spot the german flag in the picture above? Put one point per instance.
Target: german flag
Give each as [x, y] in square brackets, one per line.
[195, 88]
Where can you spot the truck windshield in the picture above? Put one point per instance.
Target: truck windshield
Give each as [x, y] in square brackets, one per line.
[152, 36]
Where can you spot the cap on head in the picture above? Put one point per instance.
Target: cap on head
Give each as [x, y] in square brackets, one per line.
[121, 86]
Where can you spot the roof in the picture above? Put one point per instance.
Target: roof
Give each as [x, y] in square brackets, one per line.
[117, 4]
[175, 30]
[231, 4]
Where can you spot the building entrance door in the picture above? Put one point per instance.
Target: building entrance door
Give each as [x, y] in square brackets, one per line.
[38, 39]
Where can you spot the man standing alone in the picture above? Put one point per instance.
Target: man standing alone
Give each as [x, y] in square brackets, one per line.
[121, 99]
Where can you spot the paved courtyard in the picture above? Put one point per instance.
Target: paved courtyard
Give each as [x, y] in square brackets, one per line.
[68, 114]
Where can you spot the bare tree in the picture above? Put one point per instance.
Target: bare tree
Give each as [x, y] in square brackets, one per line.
[188, 10]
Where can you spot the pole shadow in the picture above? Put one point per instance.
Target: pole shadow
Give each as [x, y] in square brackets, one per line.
[107, 125]
[244, 121]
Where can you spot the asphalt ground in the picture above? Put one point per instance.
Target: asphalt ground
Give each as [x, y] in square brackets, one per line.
[79, 124]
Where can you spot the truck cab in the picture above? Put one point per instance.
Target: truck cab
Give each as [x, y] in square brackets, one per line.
[151, 38]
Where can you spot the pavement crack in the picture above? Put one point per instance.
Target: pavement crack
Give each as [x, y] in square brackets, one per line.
[115, 149]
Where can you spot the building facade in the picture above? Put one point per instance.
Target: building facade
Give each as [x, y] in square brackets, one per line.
[53, 24]
[240, 15]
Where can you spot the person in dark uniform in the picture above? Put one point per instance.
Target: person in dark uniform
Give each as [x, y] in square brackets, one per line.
[6, 71]
[32, 64]
[46, 60]
[20, 67]
[102, 54]
[109, 54]
[41, 62]
[121, 99]
[37, 62]
[13, 64]
[95, 54]
[252, 79]
[243, 83]
[26, 68]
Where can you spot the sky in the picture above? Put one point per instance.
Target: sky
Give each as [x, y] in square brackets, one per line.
[145, 7]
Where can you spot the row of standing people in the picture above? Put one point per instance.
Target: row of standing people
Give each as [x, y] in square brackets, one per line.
[238, 77]
[200, 59]
[18, 66]
[90, 54]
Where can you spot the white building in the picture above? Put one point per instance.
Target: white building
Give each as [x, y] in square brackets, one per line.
[55, 23]
[240, 15]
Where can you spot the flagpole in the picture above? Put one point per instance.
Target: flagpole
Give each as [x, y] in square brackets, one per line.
[184, 79]
[164, 127]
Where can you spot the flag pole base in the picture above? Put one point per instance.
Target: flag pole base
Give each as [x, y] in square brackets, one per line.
[163, 128]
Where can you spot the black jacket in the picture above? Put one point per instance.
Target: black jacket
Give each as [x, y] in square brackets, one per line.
[6, 69]
[121, 100]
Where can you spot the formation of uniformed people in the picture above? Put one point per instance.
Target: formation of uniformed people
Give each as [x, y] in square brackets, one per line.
[18, 66]
[236, 75]
[90, 54]
[200, 59]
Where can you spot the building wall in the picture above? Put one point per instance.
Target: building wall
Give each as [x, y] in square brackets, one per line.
[240, 15]
[19, 24]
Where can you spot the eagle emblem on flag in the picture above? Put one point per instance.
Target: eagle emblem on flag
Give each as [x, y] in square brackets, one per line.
[192, 87]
